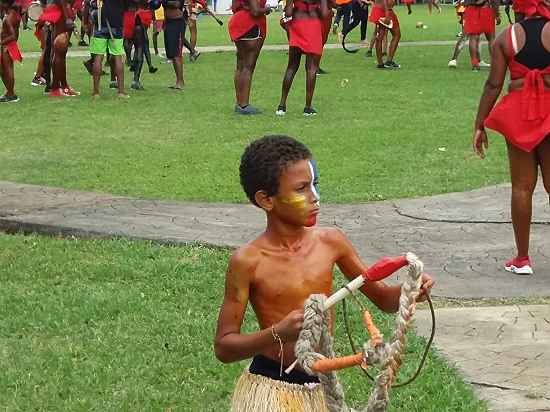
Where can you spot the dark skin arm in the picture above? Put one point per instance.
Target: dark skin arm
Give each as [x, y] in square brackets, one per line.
[9, 29]
[496, 11]
[491, 90]
[68, 21]
[85, 16]
[323, 7]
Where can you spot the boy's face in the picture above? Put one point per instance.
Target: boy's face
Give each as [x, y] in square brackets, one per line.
[298, 198]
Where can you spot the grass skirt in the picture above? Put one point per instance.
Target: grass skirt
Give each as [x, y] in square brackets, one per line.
[257, 393]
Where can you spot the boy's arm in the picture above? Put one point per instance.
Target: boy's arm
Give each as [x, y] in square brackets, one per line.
[229, 344]
[9, 29]
[386, 298]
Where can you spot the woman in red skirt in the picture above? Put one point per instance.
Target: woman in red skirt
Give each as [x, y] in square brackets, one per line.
[305, 37]
[247, 28]
[522, 116]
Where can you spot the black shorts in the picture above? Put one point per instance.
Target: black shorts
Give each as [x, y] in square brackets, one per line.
[269, 368]
[174, 31]
[252, 34]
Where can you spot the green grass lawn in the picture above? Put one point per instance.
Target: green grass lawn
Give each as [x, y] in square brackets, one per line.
[118, 325]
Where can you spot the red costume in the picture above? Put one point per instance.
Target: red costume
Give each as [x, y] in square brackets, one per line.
[53, 14]
[378, 13]
[145, 16]
[242, 21]
[479, 20]
[523, 116]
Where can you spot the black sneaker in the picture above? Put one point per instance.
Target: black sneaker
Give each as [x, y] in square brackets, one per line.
[476, 69]
[368, 53]
[194, 56]
[384, 54]
[309, 111]
[70, 44]
[320, 71]
[281, 111]
[392, 65]
[137, 86]
[113, 84]
[82, 43]
[152, 69]
[48, 88]
[381, 66]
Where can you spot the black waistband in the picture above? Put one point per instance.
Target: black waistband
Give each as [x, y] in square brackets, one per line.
[262, 365]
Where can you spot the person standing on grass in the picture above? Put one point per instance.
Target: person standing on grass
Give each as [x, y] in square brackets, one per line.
[360, 10]
[192, 16]
[247, 28]
[108, 37]
[305, 37]
[480, 18]
[58, 17]
[385, 20]
[460, 9]
[158, 26]
[277, 272]
[408, 4]
[521, 116]
[9, 50]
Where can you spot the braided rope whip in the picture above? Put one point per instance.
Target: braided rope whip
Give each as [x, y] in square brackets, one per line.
[388, 355]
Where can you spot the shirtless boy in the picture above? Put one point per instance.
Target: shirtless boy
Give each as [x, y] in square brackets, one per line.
[278, 270]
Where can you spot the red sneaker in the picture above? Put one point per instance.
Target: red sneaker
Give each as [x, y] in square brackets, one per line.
[58, 93]
[521, 265]
[69, 91]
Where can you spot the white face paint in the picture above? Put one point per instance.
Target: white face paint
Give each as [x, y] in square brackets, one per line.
[314, 179]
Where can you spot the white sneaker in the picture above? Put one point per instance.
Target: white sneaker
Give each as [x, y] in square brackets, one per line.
[160, 55]
[483, 64]
[452, 64]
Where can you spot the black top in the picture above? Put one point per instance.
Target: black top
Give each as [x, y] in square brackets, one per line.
[113, 11]
[533, 55]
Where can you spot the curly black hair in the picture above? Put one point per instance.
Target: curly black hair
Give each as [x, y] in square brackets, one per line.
[265, 159]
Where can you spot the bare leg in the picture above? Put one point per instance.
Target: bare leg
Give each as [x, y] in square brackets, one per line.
[118, 67]
[294, 57]
[409, 8]
[193, 34]
[247, 56]
[97, 71]
[396, 36]
[6, 73]
[59, 58]
[312, 64]
[474, 40]
[381, 31]
[523, 174]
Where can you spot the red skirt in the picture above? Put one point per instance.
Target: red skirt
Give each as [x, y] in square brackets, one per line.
[146, 17]
[507, 118]
[13, 51]
[129, 24]
[307, 35]
[242, 21]
[378, 13]
[479, 20]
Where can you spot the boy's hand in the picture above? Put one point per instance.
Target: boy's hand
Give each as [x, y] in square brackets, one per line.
[426, 287]
[290, 327]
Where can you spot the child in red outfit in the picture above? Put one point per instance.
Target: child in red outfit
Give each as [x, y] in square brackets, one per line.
[9, 51]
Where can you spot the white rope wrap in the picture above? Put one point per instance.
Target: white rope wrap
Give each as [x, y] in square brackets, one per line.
[316, 333]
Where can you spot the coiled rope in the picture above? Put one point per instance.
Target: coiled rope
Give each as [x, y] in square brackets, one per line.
[389, 356]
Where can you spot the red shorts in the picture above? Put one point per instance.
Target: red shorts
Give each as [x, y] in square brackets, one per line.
[378, 13]
[242, 21]
[307, 35]
[159, 25]
[479, 20]
[78, 5]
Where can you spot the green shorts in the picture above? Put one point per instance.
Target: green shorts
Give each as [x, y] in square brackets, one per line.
[100, 46]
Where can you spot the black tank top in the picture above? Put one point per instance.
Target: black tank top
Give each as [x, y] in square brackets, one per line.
[533, 54]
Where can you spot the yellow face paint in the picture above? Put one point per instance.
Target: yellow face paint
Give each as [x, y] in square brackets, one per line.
[299, 202]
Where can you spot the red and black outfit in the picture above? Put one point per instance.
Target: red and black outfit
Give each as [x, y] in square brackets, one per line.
[306, 34]
[242, 22]
[523, 116]
[54, 14]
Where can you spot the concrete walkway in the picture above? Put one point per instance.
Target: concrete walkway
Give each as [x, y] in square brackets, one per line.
[462, 238]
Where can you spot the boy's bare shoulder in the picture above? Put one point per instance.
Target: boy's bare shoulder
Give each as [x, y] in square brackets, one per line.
[247, 255]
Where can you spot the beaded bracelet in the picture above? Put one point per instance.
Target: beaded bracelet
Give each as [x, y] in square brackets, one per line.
[281, 344]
